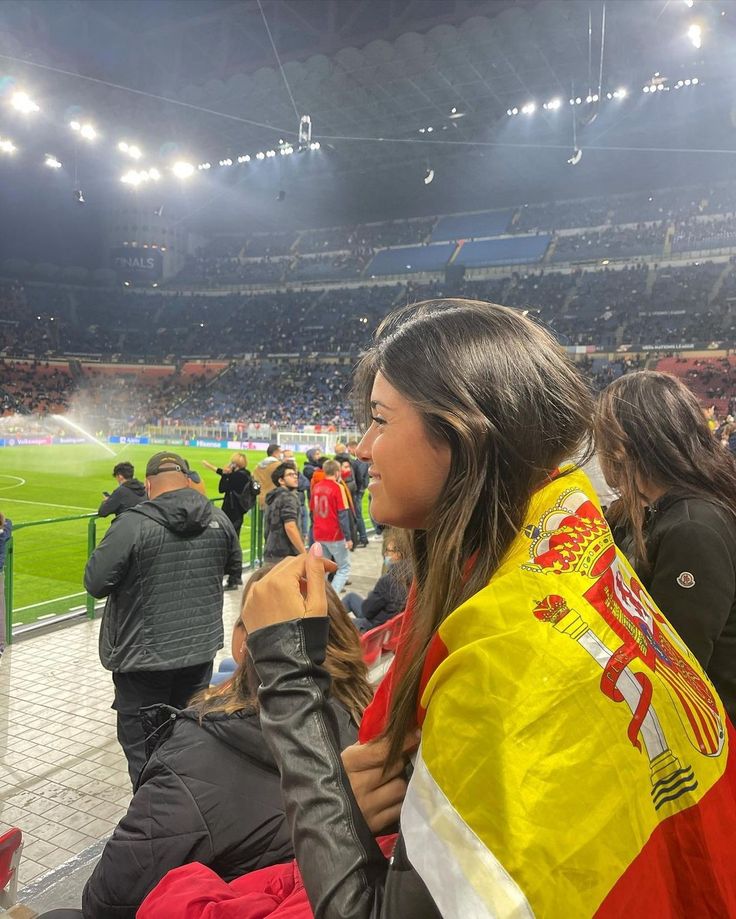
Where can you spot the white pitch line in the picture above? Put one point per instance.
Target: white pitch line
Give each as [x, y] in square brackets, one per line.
[19, 482]
[68, 507]
[19, 609]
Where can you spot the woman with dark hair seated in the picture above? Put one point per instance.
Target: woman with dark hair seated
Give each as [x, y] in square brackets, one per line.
[388, 597]
[209, 792]
[676, 517]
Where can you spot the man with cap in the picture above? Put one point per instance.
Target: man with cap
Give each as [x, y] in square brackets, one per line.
[161, 566]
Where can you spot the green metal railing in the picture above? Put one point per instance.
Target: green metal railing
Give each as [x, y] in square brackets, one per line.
[253, 559]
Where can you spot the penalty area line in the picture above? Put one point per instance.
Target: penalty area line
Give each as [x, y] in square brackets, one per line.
[68, 507]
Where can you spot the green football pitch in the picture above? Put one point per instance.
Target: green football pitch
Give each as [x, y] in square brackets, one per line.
[48, 483]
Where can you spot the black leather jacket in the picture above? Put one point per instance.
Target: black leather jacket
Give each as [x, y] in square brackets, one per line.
[344, 871]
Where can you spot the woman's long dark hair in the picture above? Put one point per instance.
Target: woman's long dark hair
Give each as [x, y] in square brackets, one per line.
[343, 661]
[497, 388]
[649, 428]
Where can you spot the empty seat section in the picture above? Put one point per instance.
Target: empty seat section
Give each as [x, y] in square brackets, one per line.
[410, 259]
[511, 250]
[468, 226]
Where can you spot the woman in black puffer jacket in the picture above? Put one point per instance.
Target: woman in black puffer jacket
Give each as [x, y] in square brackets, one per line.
[676, 518]
[210, 791]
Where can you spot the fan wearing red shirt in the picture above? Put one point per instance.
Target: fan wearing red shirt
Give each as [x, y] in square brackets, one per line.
[331, 515]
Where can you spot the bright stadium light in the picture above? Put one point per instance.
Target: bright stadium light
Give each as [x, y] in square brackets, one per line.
[270, 153]
[154, 174]
[528, 109]
[244, 158]
[7, 146]
[315, 145]
[553, 104]
[135, 152]
[23, 103]
[695, 34]
[514, 111]
[689, 3]
[132, 177]
[695, 81]
[86, 130]
[260, 155]
[620, 93]
[182, 169]
[75, 126]
[51, 162]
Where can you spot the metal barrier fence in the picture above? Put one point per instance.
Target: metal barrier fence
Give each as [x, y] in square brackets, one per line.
[41, 565]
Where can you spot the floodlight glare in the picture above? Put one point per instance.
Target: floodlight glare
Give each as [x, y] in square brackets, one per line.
[554, 104]
[75, 126]
[514, 111]
[135, 152]
[695, 81]
[689, 3]
[88, 132]
[428, 176]
[51, 162]
[528, 109]
[123, 147]
[620, 93]
[23, 103]
[695, 34]
[270, 153]
[154, 174]
[182, 170]
[131, 178]
[7, 146]
[260, 155]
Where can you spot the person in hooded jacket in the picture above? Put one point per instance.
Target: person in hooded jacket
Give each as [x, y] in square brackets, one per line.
[281, 529]
[388, 596]
[212, 783]
[160, 566]
[130, 491]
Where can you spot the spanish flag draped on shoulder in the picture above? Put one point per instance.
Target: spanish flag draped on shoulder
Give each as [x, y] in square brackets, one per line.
[575, 760]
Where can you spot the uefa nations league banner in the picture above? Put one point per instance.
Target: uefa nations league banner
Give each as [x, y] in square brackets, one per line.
[137, 264]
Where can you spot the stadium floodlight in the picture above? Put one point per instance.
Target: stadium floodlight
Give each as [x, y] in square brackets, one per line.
[123, 147]
[154, 174]
[244, 158]
[695, 34]
[182, 169]
[315, 145]
[23, 103]
[75, 126]
[86, 130]
[577, 155]
[271, 153]
[553, 104]
[578, 100]
[260, 155]
[132, 177]
[689, 3]
[695, 81]
[7, 146]
[428, 176]
[204, 166]
[51, 162]
[620, 93]
[514, 111]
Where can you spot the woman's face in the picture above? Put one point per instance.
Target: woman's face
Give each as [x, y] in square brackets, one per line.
[407, 470]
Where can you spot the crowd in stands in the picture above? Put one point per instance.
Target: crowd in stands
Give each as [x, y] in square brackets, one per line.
[692, 234]
[615, 242]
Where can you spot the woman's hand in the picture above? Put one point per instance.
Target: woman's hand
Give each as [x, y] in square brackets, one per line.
[295, 588]
[378, 791]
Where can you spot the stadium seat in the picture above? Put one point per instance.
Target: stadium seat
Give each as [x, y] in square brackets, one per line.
[11, 846]
[383, 638]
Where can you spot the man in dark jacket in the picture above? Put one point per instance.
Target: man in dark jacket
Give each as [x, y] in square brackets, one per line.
[281, 523]
[161, 566]
[360, 473]
[128, 493]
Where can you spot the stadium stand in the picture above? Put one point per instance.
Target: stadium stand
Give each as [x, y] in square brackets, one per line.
[472, 226]
[411, 259]
[616, 242]
[508, 250]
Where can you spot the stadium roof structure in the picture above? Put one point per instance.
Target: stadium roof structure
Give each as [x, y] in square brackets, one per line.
[386, 82]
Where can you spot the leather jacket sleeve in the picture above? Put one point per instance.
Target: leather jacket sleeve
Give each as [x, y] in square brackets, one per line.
[341, 864]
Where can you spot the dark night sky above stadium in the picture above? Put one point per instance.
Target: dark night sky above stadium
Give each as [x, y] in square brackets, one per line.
[362, 69]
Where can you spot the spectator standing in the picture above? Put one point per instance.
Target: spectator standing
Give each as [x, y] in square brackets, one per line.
[262, 472]
[281, 527]
[331, 512]
[6, 530]
[676, 519]
[303, 493]
[388, 597]
[236, 484]
[360, 472]
[161, 566]
[129, 493]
